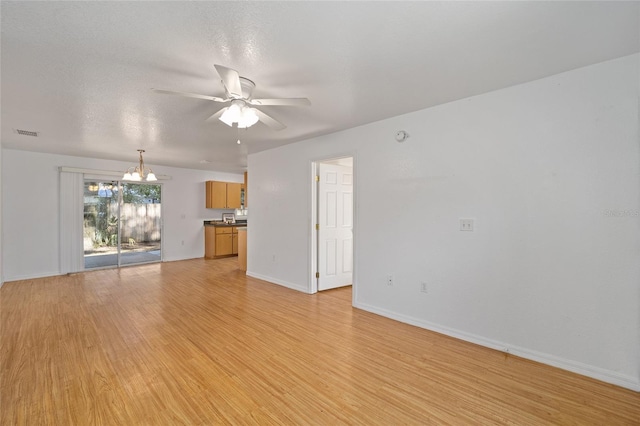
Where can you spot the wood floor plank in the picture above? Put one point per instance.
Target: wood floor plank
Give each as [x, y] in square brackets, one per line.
[198, 342]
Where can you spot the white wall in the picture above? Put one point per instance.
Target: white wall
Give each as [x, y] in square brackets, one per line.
[550, 170]
[30, 210]
[1, 238]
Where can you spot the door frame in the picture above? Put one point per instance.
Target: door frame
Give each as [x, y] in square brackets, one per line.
[120, 183]
[313, 215]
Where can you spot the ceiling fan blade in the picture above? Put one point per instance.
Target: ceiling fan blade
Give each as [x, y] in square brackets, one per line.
[283, 102]
[217, 115]
[190, 95]
[231, 80]
[268, 120]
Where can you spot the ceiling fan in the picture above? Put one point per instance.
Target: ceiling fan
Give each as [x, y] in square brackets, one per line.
[238, 91]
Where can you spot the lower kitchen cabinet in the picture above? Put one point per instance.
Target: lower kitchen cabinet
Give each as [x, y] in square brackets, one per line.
[234, 248]
[209, 242]
[224, 242]
[220, 241]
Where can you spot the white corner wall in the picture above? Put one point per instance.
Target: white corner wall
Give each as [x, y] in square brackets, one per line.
[1, 238]
[30, 210]
[549, 170]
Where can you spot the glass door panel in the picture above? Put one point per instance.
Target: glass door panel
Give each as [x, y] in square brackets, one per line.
[101, 211]
[122, 223]
[140, 223]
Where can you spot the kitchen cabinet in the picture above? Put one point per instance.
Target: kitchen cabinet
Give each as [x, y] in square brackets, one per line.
[223, 195]
[233, 195]
[224, 241]
[209, 242]
[220, 241]
[234, 246]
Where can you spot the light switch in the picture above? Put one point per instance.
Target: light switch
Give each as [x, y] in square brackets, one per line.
[466, 224]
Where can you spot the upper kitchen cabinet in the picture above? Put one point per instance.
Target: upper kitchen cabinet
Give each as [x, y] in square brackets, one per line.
[234, 191]
[223, 195]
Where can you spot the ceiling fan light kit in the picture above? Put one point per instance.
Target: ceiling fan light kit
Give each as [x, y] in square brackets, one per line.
[238, 91]
[239, 113]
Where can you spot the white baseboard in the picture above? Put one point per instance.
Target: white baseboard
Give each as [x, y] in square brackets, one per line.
[32, 276]
[287, 284]
[58, 273]
[177, 259]
[597, 373]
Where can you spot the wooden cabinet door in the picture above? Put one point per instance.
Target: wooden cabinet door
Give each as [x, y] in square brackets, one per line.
[235, 244]
[208, 191]
[224, 244]
[233, 195]
[209, 242]
[218, 195]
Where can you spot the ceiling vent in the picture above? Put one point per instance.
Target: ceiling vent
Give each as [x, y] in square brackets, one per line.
[26, 132]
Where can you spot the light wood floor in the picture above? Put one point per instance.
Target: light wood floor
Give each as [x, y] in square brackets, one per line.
[197, 342]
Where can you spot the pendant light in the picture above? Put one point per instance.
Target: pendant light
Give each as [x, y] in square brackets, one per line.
[138, 173]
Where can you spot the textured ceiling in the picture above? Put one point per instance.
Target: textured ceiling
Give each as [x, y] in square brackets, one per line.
[80, 73]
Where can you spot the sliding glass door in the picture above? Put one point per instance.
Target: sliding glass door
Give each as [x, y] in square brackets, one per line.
[140, 223]
[122, 223]
[100, 234]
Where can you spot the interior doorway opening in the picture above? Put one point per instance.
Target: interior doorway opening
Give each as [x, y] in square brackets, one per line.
[333, 223]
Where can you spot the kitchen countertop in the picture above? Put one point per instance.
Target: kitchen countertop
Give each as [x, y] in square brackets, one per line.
[224, 225]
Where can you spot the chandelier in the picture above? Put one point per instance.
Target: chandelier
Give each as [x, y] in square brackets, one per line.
[138, 173]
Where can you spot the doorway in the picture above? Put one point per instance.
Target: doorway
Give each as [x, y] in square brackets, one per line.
[333, 213]
[122, 223]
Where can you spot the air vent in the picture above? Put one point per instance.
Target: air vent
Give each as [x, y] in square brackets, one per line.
[26, 133]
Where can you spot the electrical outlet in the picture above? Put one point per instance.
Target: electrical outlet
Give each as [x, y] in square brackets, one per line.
[389, 280]
[466, 224]
[424, 288]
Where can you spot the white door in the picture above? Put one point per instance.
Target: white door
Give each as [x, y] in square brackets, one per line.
[335, 219]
